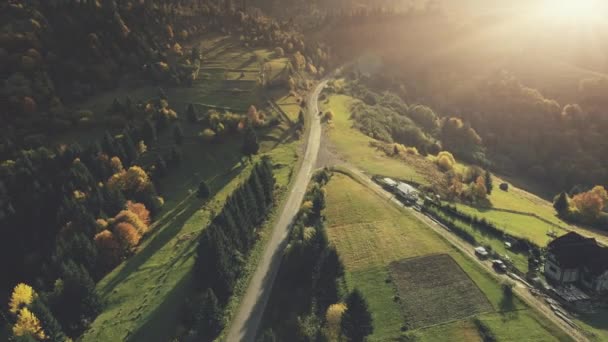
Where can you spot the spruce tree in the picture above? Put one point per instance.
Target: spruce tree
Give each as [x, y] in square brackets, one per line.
[129, 147]
[191, 114]
[149, 132]
[251, 145]
[176, 155]
[160, 167]
[357, 321]
[75, 301]
[203, 190]
[561, 204]
[50, 325]
[489, 183]
[209, 322]
[258, 189]
[178, 134]
[162, 94]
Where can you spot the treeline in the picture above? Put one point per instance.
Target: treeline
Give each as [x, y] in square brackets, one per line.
[387, 117]
[558, 145]
[222, 249]
[587, 207]
[309, 300]
[451, 216]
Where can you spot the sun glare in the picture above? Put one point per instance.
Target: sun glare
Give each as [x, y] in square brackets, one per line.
[573, 10]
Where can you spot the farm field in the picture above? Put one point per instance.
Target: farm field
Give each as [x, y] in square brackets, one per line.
[435, 278]
[370, 234]
[144, 294]
[353, 146]
[532, 216]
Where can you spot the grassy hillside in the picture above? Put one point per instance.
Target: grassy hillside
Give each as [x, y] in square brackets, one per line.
[369, 234]
[144, 295]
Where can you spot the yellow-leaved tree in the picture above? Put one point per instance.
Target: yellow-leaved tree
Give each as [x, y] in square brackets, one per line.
[28, 324]
[446, 161]
[23, 295]
[334, 318]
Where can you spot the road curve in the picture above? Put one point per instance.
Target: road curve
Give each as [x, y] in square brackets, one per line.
[247, 319]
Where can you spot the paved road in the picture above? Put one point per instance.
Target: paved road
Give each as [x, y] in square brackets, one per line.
[247, 320]
[534, 302]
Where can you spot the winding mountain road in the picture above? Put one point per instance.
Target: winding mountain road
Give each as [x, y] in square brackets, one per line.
[247, 319]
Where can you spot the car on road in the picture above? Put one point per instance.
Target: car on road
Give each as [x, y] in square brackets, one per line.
[481, 252]
[499, 266]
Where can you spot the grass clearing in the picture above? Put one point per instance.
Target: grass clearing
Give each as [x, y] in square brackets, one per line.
[425, 284]
[370, 233]
[355, 147]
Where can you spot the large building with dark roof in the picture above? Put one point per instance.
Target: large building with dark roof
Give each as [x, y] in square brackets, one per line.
[575, 259]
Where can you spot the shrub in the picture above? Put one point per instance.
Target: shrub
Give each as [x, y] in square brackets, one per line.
[127, 235]
[208, 134]
[445, 160]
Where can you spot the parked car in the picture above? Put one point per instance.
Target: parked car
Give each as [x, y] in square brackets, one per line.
[499, 266]
[481, 252]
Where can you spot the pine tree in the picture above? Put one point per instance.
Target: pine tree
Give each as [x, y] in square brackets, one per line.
[162, 94]
[108, 144]
[209, 318]
[178, 134]
[191, 114]
[203, 190]
[258, 190]
[251, 145]
[113, 200]
[75, 300]
[176, 155]
[50, 325]
[357, 320]
[129, 147]
[217, 265]
[160, 169]
[325, 286]
[489, 183]
[149, 132]
[561, 204]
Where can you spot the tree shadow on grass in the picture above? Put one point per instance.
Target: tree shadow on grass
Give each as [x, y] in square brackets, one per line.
[170, 229]
[166, 315]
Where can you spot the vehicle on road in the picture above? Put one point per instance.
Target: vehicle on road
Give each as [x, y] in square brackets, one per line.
[499, 266]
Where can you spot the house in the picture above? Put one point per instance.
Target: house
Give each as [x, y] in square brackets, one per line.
[407, 192]
[577, 260]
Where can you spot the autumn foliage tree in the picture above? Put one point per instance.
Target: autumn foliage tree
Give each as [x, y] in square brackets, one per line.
[127, 235]
[445, 160]
[28, 325]
[109, 249]
[334, 319]
[23, 295]
[139, 210]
